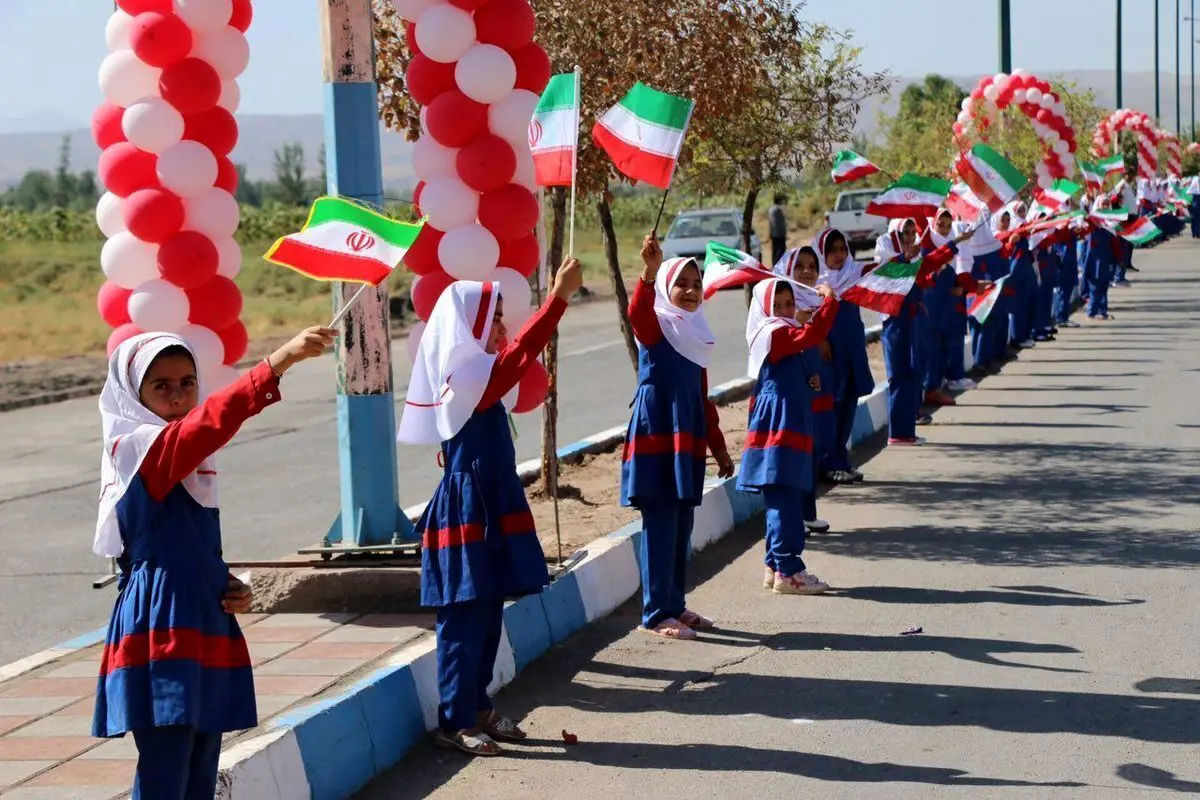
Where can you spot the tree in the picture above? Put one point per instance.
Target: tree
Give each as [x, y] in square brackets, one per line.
[64, 181]
[290, 187]
[249, 193]
[918, 138]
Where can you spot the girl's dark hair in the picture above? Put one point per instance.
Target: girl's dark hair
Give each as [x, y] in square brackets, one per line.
[836, 236]
[781, 287]
[173, 351]
[808, 251]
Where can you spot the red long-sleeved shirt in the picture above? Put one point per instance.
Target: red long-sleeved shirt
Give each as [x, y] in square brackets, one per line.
[927, 274]
[788, 341]
[515, 358]
[648, 331]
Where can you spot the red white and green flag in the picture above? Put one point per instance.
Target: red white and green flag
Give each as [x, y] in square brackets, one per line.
[554, 131]
[1113, 165]
[981, 307]
[1109, 218]
[1140, 231]
[1093, 176]
[725, 267]
[1057, 198]
[911, 196]
[344, 241]
[850, 166]
[991, 176]
[963, 203]
[643, 134]
[884, 288]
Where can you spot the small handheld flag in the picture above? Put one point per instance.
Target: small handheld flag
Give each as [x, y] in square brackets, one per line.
[1113, 165]
[850, 166]
[963, 203]
[911, 196]
[1093, 176]
[554, 131]
[643, 134]
[884, 288]
[984, 302]
[725, 267]
[992, 178]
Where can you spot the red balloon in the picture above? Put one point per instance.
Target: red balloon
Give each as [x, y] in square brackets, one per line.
[135, 7]
[523, 254]
[153, 215]
[1072, 146]
[216, 129]
[191, 85]
[422, 257]
[215, 304]
[126, 331]
[420, 187]
[112, 301]
[468, 5]
[509, 212]
[507, 23]
[1043, 117]
[124, 169]
[486, 163]
[410, 37]
[532, 389]
[242, 15]
[106, 125]
[1056, 170]
[427, 291]
[235, 340]
[425, 79]
[227, 175]
[188, 259]
[159, 39]
[533, 67]
[977, 94]
[454, 119]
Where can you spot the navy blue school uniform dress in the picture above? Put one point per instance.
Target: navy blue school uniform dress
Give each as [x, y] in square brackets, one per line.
[1024, 286]
[778, 460]
[987, 339]
[1046, 261]
[479, 543]
[824, 407]
[672, 427]
[1068, 277]
[1101, 253]
[175, 671]
[940, 308]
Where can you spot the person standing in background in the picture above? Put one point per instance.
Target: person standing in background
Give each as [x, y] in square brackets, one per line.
[777, 220]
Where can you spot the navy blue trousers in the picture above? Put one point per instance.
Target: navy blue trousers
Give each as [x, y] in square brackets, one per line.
[956, 366]
[176, 763]
[468, 638]
[786, 533]
[666, 545]
[904, 384]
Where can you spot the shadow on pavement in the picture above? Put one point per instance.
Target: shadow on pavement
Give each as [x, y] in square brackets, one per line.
[1158, 778]
[1169, 685]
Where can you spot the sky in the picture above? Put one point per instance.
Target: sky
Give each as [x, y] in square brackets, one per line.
[51, 49]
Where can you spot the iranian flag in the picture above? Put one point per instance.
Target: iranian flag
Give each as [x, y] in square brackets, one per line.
[991, 177]
[911, 196]
[963, 203]
[1140, 231]
[1113, 165]
[725, 267]
[850, 166]
[1109, 217]
[1057, 197]
[1093, 176]
[643, 134]
[554, 131]
[344, 241]
[984, 302]
[884, 288]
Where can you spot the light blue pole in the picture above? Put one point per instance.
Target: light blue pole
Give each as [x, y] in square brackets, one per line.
[366, 415]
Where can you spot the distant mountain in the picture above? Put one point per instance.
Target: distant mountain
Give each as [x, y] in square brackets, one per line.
[43, 122]
[259, 136]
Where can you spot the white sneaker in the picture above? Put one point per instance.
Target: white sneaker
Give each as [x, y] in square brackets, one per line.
[817, 526]
[769, 578]
[1027, 343]
[915, 441]
[962, 385]
[800, 583]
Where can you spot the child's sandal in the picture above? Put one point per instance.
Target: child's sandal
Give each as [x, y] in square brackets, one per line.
[696, 622]
[670, 629]
[473, 744]
[501, 727]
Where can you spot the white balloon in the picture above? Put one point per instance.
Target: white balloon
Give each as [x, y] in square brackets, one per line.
[509, 118]
[991, 94]
[485, 73]
[431, 160]
[411, 9]
[526, 173]
[518, 298]
[152, 124]
[1034, 96]
[187, 168]
[109, 216]
[1018, 97]
[1051, 136]
[129, 262]
[445, 32]
[229, 262]
[214, 213]
[469, 252]
[206, 345]
[204, 16]
[159, 305]
[423, 116]
[225, 49]
[999, 79]
[231, 96]
[1019, 73]
[1061, 147]
[1048, 100]
[966, 105]
[125, 79]
[414, 340]
[116, 31]
[449, 203]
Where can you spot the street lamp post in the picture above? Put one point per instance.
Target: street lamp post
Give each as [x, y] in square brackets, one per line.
[1006, 36]
[1120, 102]
[1157, 70]
[1178, 103]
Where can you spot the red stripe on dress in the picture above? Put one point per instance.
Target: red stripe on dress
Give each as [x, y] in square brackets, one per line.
[762, 440]
[520, 522]
[481, 315]
[473, 532]
[174, 644]
[665, 444]
[822, 403]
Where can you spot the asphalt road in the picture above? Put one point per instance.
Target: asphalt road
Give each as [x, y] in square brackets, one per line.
[1046, 542]
[279, 477]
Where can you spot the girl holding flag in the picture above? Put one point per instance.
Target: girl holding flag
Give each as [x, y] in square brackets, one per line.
[945, 304]
[1102, 251]
[1023, 280]
[1068, 274]
[778, 459]
[479, 545]
[988, 341]
[672, 428]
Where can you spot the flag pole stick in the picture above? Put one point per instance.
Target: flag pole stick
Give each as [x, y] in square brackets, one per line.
[661, 206]
[574, 168]
[338, 316]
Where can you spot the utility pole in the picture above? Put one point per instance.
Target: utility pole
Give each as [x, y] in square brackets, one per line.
[1193, 19]
[1178, 76]
[1120, 98]
[1157, 70]
[1006, 37]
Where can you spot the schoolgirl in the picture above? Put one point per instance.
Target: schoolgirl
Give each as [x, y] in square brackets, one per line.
[778, 459]
[1046, 262]
[478, 540]
[946, 312]
[175, 670]
[989, 342]
[1102, 252]
[1067, 251]
[1022, 280]
[672, 427]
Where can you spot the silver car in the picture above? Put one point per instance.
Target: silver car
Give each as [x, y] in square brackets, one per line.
[691, 232]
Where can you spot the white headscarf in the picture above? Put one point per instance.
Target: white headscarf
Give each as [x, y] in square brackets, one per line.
[686, 331]
[936, 238]
[452, 368]
[761, 322]
[837, 279]
[129, 429]
[785, 267]
[888, 247]
[996, 220]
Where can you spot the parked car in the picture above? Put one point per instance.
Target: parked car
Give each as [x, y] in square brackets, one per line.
[850, 216]
[690, 233]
